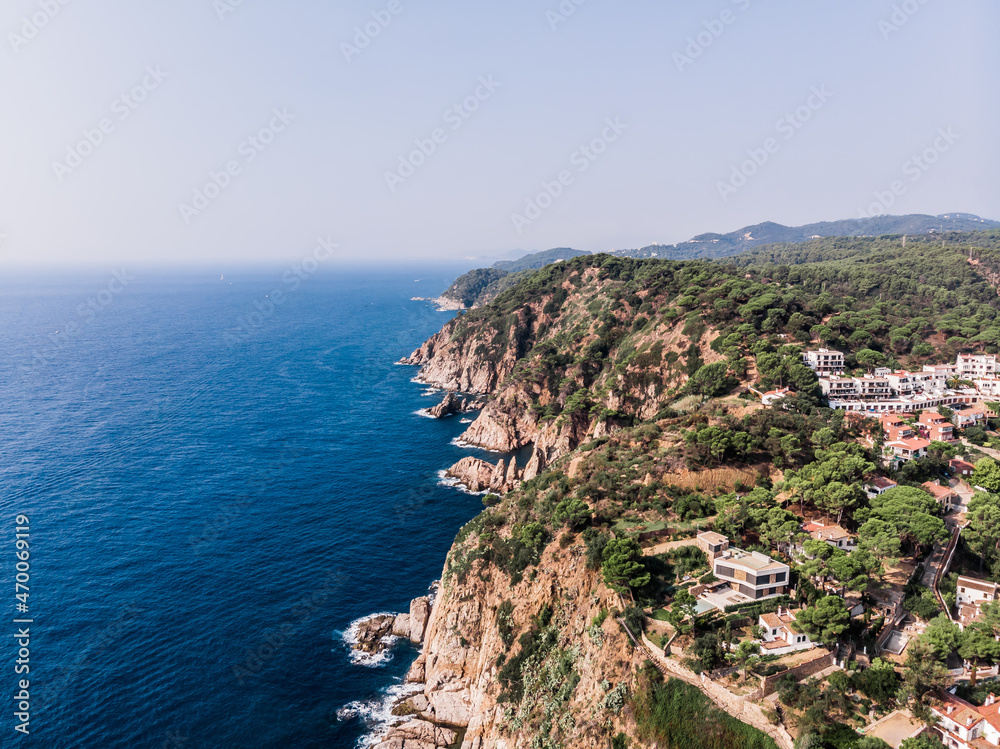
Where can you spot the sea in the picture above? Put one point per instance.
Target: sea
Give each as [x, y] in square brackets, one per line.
[216, 475]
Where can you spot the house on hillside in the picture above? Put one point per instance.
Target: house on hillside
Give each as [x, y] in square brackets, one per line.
[961, 468]
[712, 543]
[970, 595]
[782, 634]
[832, 533]
[973, 366]
[962, 725]
[969, 415]
[750, 573]
[935, 427]
[879, 485]
[824, 361]
[895, 428]
[908, 449]
[773, 396]
[945, 496]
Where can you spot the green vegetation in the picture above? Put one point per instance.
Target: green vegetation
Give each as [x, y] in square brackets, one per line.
[653, 352]
[678, 716]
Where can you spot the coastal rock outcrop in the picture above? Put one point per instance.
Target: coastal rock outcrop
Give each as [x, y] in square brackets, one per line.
[417, 734]
[477, 475]
[453, 404]
[420, 611]
[464, 649]
[372, 633]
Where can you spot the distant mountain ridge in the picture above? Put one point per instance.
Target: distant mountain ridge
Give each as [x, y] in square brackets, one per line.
[483, 284]
[713, 245]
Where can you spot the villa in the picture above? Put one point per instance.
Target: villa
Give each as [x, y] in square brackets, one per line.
[964, 726]
[878, 486]
[970, 595]
[781, 633]
[833, 534]
[936, 427]
[752, 574]
[944, 495]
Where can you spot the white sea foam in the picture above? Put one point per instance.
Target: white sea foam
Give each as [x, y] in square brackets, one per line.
[377, 713]
[425, 412]
[459, 442]
[360, 657]
[445, 480]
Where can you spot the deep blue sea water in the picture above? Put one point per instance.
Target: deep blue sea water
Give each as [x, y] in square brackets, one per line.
[213, 497]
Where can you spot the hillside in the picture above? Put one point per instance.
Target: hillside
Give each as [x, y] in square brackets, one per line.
[733, 243]
[482, 285]
[623, 377]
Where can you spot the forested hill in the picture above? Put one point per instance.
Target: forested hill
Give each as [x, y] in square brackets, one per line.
[484, 284]
[623, 376]
[749, 237]
[919, 302]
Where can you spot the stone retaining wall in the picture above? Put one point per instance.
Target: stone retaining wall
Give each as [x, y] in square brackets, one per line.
[736, 705]
[817, 664]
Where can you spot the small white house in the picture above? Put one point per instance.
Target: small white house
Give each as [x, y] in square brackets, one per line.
[833, 534]
[781, 634]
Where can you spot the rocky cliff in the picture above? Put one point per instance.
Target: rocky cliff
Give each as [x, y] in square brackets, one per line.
[521, 648]
[580, 663]
[572, 360]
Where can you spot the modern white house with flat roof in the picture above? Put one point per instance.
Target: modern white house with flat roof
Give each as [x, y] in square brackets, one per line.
[751, 573]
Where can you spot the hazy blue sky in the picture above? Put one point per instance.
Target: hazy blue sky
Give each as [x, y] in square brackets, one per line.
[696, 89]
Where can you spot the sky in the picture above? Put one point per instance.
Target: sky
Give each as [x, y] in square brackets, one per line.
[229, 132]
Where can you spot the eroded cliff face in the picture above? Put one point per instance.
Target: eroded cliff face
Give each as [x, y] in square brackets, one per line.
[557, 375]
[579, 671]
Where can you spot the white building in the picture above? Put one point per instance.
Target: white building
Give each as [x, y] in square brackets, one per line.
[781, 633]
[963, 725]
[751, 573]
[833, 534]
[970, 595]
[824, 361]
[974, 366]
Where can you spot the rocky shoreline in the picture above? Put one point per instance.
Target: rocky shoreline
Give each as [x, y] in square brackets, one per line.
[427, 719]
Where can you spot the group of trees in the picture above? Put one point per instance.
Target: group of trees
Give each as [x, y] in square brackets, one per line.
[833, 481]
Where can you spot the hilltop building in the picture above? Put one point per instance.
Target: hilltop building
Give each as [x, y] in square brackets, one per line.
[964, 726]
[824, 361]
